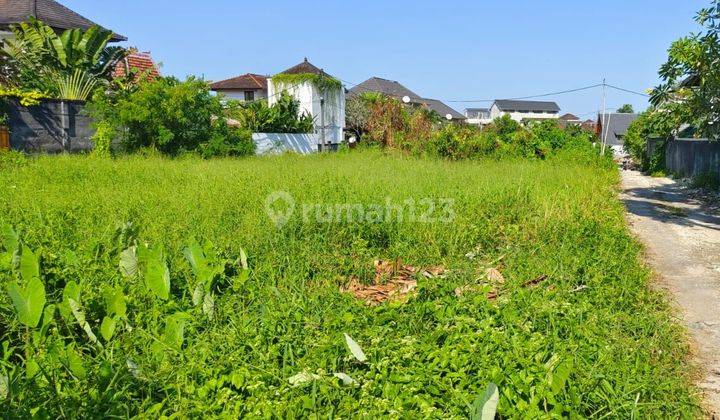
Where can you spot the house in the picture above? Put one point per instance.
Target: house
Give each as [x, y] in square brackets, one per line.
[524, 110]
[326, 104]
[139, 63]
[52, 13]
[612, 128]
[245, 88]
[478, 116]
[396, 90]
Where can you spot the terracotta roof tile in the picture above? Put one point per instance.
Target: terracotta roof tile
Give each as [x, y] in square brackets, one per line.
[246, 81]
[140, 61]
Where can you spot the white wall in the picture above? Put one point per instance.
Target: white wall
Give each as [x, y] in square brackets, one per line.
[309, 98]
[495, 112]
[276, 143]
[239, 95]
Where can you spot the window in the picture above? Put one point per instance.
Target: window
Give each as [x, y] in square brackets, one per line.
[249, 95]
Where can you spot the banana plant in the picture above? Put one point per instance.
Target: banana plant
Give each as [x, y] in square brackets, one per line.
[41, 55]
[77, 86]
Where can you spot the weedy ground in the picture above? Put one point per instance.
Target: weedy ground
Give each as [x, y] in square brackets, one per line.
[590, 339]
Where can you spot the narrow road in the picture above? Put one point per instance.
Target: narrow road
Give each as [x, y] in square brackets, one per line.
[683, 248]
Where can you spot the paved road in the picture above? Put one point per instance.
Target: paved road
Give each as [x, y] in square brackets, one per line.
[683, 247]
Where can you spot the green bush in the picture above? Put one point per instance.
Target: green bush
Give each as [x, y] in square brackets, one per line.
[506, 137]
[283, 116]
[649, 124]
[171, 116]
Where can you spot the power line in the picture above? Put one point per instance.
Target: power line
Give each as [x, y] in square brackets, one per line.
[628, 91]
[532, 96]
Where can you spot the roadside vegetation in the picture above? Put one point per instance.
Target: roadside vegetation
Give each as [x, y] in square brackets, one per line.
[686, 103]
[149, 286]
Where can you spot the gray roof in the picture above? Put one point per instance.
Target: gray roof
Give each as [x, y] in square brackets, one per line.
[50, 12]
[616, 125]
[396, 90]
[440, 108]
[537, 106]
[384, 86]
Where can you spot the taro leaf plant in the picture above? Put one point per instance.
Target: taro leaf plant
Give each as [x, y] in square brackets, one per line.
[67, 66]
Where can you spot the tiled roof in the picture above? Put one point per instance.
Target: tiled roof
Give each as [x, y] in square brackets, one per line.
[384, 86]
[50, 12]
[569, 117]
[305, 67]
[246, 81]
[441, 108]
[514, 105]
[396, 90]
[140, 61]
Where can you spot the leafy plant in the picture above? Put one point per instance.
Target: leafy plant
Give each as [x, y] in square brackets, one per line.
[283, 116]
[690, 91]
[29, 300]
[170, 116]
[63, 65]
[76, 87]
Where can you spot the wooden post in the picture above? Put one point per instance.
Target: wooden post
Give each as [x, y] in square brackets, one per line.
[4, 138]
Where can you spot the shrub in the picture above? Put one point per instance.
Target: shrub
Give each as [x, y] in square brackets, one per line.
[171, 116]
[284, 116]
[649, 124]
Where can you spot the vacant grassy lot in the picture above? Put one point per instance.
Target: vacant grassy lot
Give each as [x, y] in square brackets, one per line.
[587, 340]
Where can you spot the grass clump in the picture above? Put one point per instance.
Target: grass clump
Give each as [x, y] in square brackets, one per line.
[201, 306]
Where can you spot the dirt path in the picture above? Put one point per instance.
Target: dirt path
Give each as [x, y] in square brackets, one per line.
[683, 247]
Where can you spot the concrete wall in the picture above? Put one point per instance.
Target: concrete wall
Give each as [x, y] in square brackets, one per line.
[692, 157]
[309, 98]
[51, 127]
[276, 143]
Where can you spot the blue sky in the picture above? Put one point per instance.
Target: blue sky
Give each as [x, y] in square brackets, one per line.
[465, 50]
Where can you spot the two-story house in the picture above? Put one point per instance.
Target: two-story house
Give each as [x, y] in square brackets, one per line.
[246, 88]
[524, 110]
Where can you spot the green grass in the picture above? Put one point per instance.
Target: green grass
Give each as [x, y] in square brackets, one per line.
[593, 320]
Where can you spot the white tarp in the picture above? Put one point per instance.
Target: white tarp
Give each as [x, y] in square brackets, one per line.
[276, 143]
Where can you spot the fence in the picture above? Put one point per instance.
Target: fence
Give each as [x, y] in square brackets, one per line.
[689, 157]
[51, 126]
[4, 138]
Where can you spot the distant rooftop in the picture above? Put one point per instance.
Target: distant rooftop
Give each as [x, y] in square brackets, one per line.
[50, 12]
[304, 68]
[246, 81]
[516, 105]
[396, 90]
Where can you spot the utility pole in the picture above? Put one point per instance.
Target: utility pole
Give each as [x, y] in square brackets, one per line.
[322, 123]
[604, 114]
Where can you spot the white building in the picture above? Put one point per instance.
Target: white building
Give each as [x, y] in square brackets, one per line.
[326, 107]
[524, 110]
[478, 116]
[246, 88]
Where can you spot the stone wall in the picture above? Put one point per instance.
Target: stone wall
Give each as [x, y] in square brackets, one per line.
[50, 127]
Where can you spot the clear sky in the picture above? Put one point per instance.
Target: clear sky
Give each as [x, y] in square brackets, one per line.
[448, 50]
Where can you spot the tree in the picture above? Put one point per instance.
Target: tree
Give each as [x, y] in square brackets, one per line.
[283, 116]
[626, 109]
[690, 91]
[66, 66]
[169, 116]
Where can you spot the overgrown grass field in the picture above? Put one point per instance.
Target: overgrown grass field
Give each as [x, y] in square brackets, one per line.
[590, 339]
